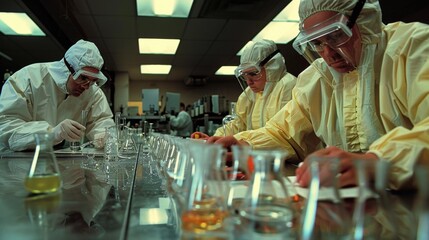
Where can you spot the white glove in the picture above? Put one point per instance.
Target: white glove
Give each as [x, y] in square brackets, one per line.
[69, 130]
[99, 140]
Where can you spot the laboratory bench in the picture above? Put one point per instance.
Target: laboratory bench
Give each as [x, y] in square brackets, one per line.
[126, 200]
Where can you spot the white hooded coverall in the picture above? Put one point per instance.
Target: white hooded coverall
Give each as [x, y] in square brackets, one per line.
[33, 101]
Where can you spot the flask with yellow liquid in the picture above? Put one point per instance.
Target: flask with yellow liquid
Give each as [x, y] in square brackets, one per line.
[44, 175]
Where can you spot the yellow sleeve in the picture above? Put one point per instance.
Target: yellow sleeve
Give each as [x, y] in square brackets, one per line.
[406, 68]
[290, 129]
[239, 124]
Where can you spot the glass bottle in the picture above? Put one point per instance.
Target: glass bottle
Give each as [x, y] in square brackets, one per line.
[44, 175]
[267, 209]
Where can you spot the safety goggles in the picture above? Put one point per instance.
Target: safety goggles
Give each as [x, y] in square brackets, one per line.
[252, 71]
[334, 32]
[82, 78]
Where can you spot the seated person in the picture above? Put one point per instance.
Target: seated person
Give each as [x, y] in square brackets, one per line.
[364, 97]
[50, 96]
[266, 84]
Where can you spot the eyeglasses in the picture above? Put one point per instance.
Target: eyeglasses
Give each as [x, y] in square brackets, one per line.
[86, 81]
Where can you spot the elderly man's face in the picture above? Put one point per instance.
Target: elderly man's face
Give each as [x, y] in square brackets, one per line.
[351, 48]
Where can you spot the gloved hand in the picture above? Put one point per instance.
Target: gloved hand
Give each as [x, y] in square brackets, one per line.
[69, 130]
[99, 140]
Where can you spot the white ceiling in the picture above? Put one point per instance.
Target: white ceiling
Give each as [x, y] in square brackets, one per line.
[215, 31]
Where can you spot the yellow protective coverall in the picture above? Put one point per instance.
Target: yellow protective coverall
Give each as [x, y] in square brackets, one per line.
[382, 107]
[253, 110]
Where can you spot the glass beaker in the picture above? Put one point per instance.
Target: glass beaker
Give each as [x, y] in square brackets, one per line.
[44, 175]
[111, 144]
[76, 146]
[267, 209]
[128, 148]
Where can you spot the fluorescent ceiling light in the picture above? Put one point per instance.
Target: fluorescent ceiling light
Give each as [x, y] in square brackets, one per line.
[18, 24]
[155, 69]
[164, 8]
[283, 28]
[289, 13]
[158, 45]
[279, 32]
[226, 70]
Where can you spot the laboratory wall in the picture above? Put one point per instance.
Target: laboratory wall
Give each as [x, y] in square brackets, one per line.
[188, 94]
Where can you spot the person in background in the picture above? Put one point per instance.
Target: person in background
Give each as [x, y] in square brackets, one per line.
[266, 84]
[50, 96]
[182, 123]
[364, 97]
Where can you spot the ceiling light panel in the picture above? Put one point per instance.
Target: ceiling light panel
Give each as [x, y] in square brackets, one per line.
[18, 24]
[155, 69]
[164, 8]
[158, 46]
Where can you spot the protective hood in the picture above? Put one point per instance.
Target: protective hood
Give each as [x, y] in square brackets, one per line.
[371, 33]
[275, 68]
[369, 20]
[60, 74]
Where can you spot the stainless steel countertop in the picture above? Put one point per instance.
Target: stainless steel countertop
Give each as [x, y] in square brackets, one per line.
[129, 203]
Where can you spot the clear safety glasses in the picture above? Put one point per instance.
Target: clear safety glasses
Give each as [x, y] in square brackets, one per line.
[252, 71]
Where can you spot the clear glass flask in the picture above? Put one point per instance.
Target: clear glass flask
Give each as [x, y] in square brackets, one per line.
[205, 208]
[44, 175]
[267, 209]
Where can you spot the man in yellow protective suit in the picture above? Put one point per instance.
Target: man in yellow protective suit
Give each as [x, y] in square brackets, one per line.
[364, 97]
[267, 87]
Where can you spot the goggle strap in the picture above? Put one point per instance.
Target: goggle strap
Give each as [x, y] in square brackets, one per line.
[355, 14]
[70, 68]
[263, 62]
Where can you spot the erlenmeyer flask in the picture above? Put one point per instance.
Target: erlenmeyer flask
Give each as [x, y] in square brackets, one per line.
[127, 149]
[372, 196]
[267, 210]
[237, 171]
[325, 214]
[205, 208]
[44, 175]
